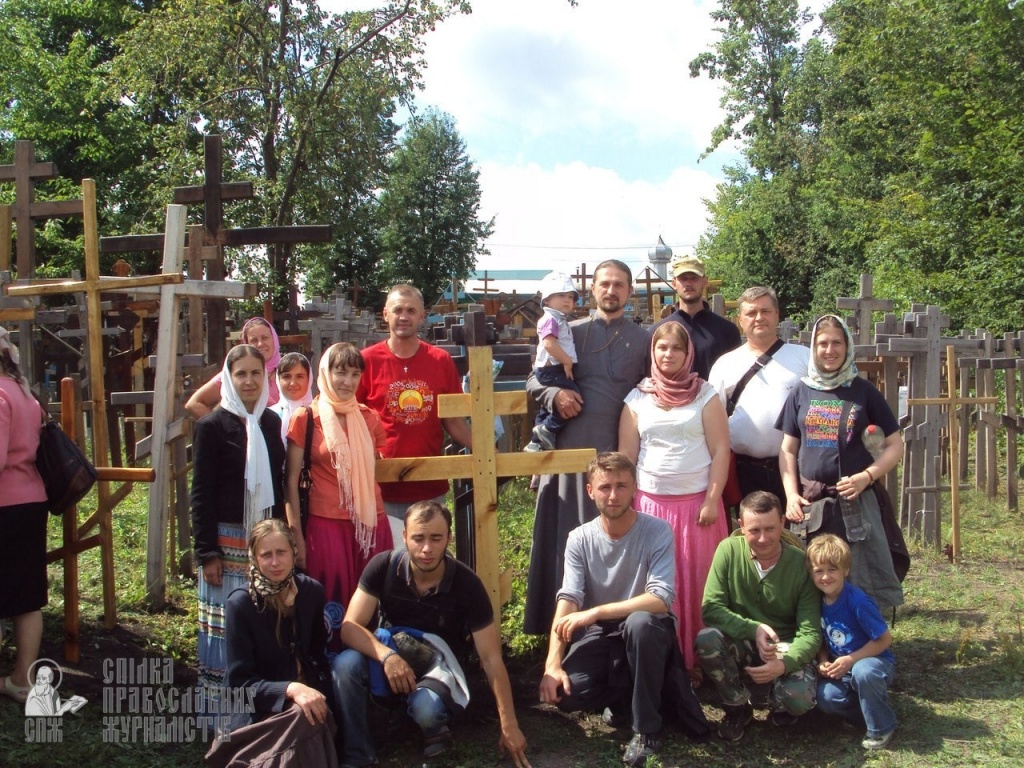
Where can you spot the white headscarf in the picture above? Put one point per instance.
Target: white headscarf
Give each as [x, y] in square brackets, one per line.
[285, 407]
[847, 372]
[259, 488]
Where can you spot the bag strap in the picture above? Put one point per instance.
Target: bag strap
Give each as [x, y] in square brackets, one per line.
[842, 433]
[306, 459]
[760, 363]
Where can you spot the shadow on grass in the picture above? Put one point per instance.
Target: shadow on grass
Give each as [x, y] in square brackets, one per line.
[952, 671]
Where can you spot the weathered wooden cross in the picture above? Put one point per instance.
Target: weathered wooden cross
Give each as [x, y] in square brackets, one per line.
[25, 211]
[863, 306]
[92, 286]
[649, 277]
[951, 402]
[484, 465]
[212, 193]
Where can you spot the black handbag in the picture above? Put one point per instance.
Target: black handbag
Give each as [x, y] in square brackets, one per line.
[67, 473]
[305, 476]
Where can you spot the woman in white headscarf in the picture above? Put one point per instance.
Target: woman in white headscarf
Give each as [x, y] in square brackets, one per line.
[237, 474]
[23, 518]
[346, 525]
[295, 383]
[810, 456]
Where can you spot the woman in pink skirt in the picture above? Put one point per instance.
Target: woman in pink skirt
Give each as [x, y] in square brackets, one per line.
[675, 428]
[346, 525]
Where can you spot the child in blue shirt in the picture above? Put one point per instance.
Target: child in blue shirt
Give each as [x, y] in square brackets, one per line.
[855, 664]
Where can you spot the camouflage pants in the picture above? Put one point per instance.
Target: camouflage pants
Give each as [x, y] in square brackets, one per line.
[723, 658]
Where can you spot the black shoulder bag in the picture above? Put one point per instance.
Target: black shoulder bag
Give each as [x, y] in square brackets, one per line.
[305, 478]
[66, 472]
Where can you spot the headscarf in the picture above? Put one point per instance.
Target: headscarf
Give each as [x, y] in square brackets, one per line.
[285, 407]
[6, 345]
[259, 488]
[351, 449]
[273, 360]
[679, 389]
[262, 586]
[847, 372]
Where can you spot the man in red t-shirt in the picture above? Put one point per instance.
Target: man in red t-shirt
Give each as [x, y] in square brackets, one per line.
[403, 378]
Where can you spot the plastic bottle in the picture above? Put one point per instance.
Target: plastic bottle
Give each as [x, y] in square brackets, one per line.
[873, 440]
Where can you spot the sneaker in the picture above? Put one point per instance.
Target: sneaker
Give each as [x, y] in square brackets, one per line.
[640, 747]
[736, 719]
[877, 742]
[615, 719]
[782, 719]
[533, 447]
[438, 743]
[545, 437]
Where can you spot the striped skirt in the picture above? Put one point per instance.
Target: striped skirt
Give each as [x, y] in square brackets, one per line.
[212, 650]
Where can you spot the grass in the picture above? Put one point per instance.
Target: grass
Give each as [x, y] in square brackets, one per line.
[958, 692]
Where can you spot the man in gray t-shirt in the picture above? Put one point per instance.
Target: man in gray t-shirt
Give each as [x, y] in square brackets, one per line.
[613, 617]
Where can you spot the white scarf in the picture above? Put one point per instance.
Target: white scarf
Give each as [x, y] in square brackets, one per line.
[285, 407]
[259, 488]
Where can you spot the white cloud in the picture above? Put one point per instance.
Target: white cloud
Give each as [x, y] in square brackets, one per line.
[573, 214]
[584, 123]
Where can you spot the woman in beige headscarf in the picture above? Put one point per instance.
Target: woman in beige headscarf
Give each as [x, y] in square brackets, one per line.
[346, 524]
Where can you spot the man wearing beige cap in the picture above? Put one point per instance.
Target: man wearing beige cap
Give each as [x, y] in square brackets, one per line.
[711, 334]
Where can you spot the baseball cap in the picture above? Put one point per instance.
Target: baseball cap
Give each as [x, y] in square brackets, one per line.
[688, 264]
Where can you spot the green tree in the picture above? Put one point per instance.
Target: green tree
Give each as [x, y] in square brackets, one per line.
[55, 56]
[430, 206]
[304, 100]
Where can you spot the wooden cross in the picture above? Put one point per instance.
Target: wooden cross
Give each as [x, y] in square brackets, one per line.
[355, 289]
[649, 277]
[484, 465]
[925, 380]
[169, 424]
[25, 171]
[92, 286]
[863, 305]
[951, 403]
[582, 276]
[212, 193]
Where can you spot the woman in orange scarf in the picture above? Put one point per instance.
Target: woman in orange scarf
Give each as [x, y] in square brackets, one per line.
[346, 524]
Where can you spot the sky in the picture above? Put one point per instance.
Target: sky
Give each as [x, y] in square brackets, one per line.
[584, 123]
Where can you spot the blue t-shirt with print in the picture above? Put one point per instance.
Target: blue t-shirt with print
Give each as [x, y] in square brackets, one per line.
[851, 622]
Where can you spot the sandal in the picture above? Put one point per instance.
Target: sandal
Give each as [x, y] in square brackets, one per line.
[438, 743]
[17, 692]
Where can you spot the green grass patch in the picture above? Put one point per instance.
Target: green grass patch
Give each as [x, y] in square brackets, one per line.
[958, 692]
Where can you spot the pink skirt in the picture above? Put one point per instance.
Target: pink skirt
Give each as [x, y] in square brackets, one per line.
[695, 548]
[334, 559]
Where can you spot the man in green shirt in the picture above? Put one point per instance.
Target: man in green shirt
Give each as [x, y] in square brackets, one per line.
[762, 616]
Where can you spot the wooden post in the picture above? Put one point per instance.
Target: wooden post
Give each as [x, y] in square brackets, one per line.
[484, 465]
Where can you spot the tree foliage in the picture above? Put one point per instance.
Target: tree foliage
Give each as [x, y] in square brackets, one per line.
[304, 100]
[896, 149]
[429, 207]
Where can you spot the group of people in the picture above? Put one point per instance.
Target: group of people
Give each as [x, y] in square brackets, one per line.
[306, 596]
[689, 411]
[320, 588]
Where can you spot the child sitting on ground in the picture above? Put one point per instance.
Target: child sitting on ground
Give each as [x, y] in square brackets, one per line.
[556, 353]
[855, 664]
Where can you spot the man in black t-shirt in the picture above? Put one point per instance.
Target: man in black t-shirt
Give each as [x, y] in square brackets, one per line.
[427, 591]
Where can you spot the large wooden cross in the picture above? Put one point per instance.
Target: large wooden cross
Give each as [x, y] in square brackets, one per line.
[169, 425]
[484, 465]
[951, 402]
[212, 194]
[92, 286]
[863, 306]
[25, 211]
[649, 277]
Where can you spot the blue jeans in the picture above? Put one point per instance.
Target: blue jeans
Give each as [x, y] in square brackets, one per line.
[553, 376]
[861, 695]
[350, 673]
